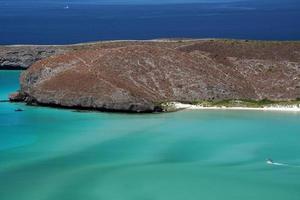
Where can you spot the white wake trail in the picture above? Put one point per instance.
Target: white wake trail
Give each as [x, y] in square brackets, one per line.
[278, 164]
[281, 164]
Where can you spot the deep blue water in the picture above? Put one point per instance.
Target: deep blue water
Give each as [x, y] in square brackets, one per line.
[47, 22]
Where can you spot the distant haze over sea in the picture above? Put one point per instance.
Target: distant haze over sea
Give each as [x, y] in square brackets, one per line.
[74, 21]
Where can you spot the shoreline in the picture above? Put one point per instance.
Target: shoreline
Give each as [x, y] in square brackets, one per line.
[162, 40]
[157, 40]
[218, 74]
[182, 106]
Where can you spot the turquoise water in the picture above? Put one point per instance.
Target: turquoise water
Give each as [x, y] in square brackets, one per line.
[57, 154]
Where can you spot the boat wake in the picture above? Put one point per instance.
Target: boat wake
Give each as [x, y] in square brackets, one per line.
[276, 163]
[271, 162]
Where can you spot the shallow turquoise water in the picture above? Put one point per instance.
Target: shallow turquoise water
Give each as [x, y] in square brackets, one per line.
[61, 154]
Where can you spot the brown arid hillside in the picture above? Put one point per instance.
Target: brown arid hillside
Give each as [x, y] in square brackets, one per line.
[138, 76]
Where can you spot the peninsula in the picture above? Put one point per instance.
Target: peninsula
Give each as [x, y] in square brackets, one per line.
[143, 76]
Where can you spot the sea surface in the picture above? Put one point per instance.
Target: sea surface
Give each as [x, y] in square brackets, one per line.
[48, 154]
[74, 21]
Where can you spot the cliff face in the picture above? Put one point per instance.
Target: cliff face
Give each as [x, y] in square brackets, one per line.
[135, 77]
[22, 57]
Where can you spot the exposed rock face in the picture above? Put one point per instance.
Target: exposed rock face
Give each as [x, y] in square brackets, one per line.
[136, 77]
[16, 97]
[21, 57]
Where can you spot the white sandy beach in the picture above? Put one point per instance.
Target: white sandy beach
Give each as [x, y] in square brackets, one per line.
[292, 108]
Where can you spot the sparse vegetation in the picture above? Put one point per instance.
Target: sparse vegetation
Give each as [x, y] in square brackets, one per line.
[181, 70]
[167, 107]
[247, 103]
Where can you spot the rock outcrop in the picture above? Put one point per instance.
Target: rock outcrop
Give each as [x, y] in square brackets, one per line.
[22, 57]
[137, 77]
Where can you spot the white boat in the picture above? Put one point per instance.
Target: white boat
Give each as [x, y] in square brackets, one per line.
[271, 162]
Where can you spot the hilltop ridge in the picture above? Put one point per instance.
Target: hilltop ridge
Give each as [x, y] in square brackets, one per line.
[136, 76]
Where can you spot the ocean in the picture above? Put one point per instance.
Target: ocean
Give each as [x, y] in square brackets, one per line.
[48, 153]
[74, 21]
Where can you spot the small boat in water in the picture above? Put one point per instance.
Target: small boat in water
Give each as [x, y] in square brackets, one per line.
[66, 7]
[269, 161]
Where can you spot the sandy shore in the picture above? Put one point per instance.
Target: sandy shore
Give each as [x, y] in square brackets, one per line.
[292, 108]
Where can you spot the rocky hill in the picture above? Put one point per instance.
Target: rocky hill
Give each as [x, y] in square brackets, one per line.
[138, 76]
[21, 57]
